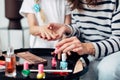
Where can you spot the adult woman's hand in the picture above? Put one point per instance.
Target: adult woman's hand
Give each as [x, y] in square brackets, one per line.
[74, 44]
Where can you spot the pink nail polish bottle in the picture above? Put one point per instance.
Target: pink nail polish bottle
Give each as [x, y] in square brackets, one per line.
[25, 71]
[54, 63]
[40, 68]
[41, 73]
[25, 66]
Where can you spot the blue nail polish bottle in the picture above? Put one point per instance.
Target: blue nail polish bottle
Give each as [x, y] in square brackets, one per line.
[63, 63]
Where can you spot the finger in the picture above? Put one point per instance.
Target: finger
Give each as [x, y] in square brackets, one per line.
[59, 56]
[69, 53]
[69, 47]
[37, 34]
[53, 35]
[73, 46]
[48, 37]
[42, 33]
[66, 45]
[79, 49]
[63, 41]
[65, 48]
[45, 34]
[52, 53]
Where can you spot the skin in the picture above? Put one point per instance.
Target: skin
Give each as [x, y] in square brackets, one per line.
[54, 32]
[68, 44]
[43, 32]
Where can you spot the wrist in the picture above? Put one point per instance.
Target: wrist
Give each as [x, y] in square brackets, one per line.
[68, 30]
[89, 48]
[34, 30]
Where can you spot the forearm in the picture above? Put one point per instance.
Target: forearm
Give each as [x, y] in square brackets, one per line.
[102, 48]
[33, 24]
[106, 47]
[67, 19]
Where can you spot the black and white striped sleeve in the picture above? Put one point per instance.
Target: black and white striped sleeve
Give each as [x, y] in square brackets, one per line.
[111, 45]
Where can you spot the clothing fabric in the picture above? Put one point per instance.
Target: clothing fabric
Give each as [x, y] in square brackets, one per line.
[107, 68]
[117, 73]
[54, 11]
[99, 25]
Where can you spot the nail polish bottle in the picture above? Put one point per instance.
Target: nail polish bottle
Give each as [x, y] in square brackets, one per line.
[54, 63]
[10, 63]
[25, 71]
[63, 63]
[40, 74]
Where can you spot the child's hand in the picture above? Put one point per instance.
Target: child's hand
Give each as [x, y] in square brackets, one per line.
[46, 33]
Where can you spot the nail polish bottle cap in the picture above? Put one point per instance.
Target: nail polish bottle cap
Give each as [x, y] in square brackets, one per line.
[40, 68]
[26, 65]
[64, 57]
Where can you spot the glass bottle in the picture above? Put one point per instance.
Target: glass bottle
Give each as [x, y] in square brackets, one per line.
[10, 58]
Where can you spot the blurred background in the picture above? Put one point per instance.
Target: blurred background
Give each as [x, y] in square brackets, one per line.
[10, 34]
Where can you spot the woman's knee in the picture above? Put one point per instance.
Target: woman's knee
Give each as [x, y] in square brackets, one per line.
[107, 66]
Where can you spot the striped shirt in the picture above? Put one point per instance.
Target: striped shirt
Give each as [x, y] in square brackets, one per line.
[99, 25]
